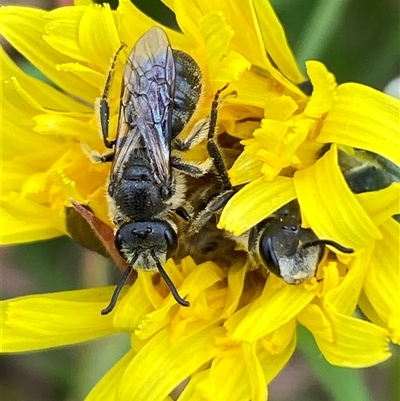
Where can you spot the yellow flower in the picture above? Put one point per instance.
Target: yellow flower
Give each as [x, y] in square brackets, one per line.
[240, 329]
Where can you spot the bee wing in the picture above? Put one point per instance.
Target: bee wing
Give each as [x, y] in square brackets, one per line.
[147, 105]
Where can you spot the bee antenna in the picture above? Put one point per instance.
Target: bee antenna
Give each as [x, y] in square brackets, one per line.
[339, 247]
[119, 287]
[169, 283]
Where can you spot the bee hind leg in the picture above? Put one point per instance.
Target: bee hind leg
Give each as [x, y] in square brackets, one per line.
[213, 207]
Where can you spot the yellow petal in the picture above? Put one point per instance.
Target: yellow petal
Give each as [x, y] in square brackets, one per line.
[313, 317]
[247, 167]
[28, 212]
[106, 388]
[273, 364]
[101, 47]
[343, 298]
[130, 33]
[127, 318]
[16, 231]
[356, 343]
[179, 359]
[364, 118]
[275, 42]
[236, 276]
[271, 310]
[330, 207]
[226, 378]
[277, 342]
[62, 31]
[254, 203]
[255, 372]
[23, 27]
[43, 93]
[382, 282]
[381, 205]
[83, 72]
[63, 126]
[52, 320]
[324, 85]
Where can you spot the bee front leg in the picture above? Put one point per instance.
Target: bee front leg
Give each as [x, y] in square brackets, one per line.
[102, 105]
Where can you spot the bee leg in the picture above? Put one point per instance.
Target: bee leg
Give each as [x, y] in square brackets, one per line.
[252, 251]
[107, 158]
[212, 146]
[219, 201]
[196, 135]
[193, 169]
[103, 106]
[212, 208]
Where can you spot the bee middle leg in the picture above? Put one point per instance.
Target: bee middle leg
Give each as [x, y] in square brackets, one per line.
[218, 201]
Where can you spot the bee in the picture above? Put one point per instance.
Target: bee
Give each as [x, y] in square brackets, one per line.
[279, 243]
[365, 171]
[287, 249]
[146, 191]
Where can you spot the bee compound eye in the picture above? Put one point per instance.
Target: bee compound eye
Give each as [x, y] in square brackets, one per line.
[111, 189]
[118, 241]
[172, 241]
[268, 255]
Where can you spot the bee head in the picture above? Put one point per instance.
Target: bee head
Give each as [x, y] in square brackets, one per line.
[145, 238]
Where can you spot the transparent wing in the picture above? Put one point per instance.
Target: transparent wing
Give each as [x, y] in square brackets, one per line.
[147, 105]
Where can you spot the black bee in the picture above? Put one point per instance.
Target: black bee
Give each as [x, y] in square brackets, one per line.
[288, 250]
[146, 191]
[278, 243]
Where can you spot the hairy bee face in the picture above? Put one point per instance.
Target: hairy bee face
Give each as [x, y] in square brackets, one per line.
[146, 239]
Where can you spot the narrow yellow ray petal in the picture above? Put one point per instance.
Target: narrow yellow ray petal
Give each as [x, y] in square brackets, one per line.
[43, 93]
[323, 95]
[344, 297]
[275, 42]
[255, 202]
[369, 311]
[382, 282]
[280, 339]
[255, 372]
[226, 375]
[236, 276]
[179, 359]
[330, 207]
[313, 317]
[83, 72]
[273, 364]
[101, 47]
[16, 231]
[127, 318]
[191, 391]
[130, 33]
[247, 166]
[63, 126]
[62, 31]
[356, 343]
[364, 118]
[29, 212]
[52, 320]
[106, 388]
[266, 316]
[381, 205]
[23, 27]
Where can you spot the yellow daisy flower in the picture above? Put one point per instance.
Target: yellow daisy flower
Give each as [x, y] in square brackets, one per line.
[240, 329]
